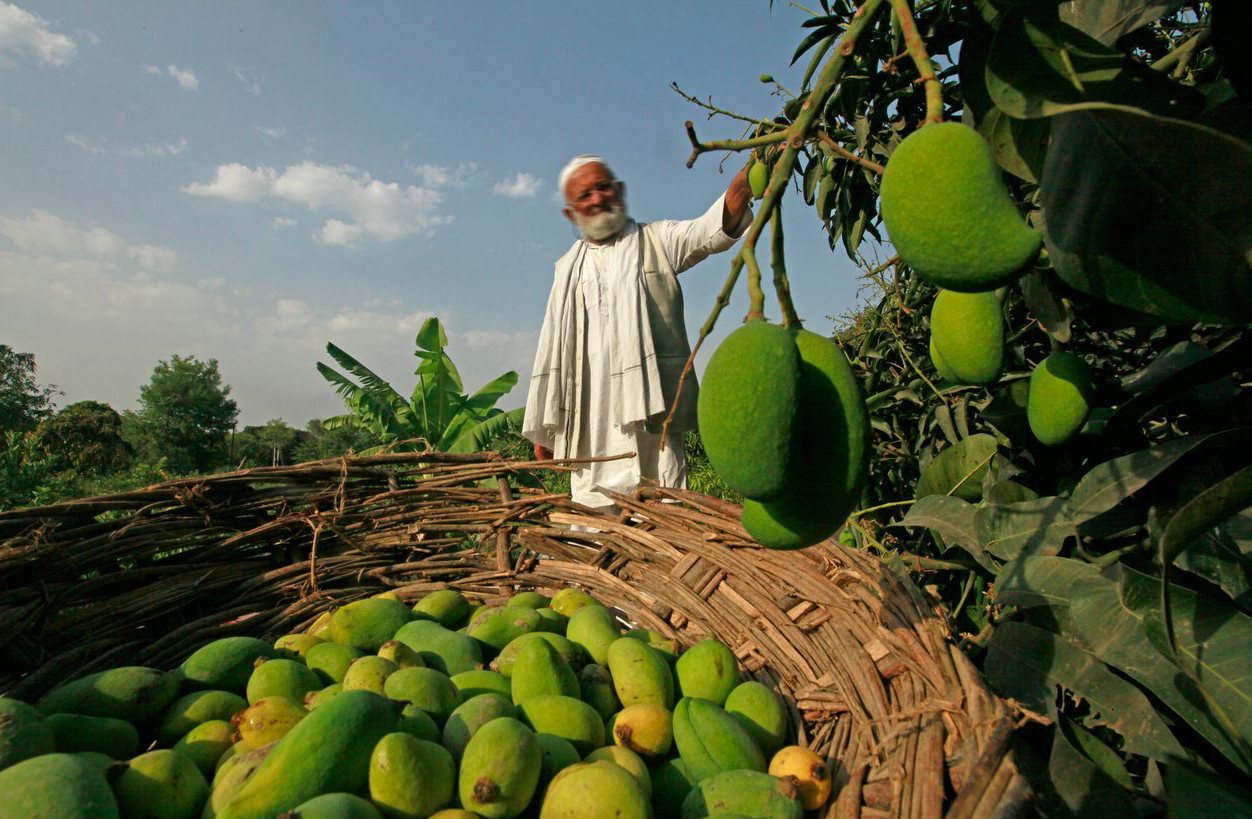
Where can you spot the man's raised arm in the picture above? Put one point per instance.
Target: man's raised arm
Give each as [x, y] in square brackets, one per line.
[735, 205]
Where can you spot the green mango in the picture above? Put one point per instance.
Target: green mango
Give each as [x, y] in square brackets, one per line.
[400, 654]
[640, 673]
[596, 689]
[1062, 387]
[337, 806]
[283, 678]
[413, 720]
[225, 663]
[232, 773]
[539, 669]
[711, 741]
[133, 693]
[594, 628]
[370, 673]
[530, 600]
[471, 715]
[24, 732]
[627, 759]
[440, 648]
[967, 332]
[948, 213]
[160, 784]
[751, 793]
[672, 780]
[190, 710]
[595, 790]
[566, 717]
[267, 720]
[707, 670]
[329, 750]
[558, 754]
[942, 369]
[500, 769]
[411, 778]
[316, 698]
[77, 732]
[757, 708]
[448, 607]
[428, 689]
[496, 627]
[56, 786]
[758, 179]
[551, 621]
[667, 646]
[330, 661]
[574, 654]
[569, 600]
[481, 681]
[367, 624]
[296, 646]
[205, 744]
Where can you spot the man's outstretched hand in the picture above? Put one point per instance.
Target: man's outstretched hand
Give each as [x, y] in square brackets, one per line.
[542, 453]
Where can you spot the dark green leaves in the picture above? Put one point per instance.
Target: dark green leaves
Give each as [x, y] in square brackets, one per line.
[959, 470]
[1033, 527]
[1106, 20]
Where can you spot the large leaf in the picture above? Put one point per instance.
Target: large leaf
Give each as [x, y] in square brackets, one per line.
[1039, 68]
[1106, 20]
[1112, 616]
[1193, 791]
[1084, 786]
[959, 470]
[1136, 216]
[379, 389]
[476, 438]
[1034, 527]
[1040, 581]
[953, 519]
[1029, 663]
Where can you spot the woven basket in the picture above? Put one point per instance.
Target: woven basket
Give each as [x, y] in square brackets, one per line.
[870, 677]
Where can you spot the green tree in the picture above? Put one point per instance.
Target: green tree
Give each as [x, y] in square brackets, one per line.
[185, 416]
[86, 437]
[437, 412]
[23, 404]
[318, 442]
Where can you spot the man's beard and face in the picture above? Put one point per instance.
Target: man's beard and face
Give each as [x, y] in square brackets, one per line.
[606, 222]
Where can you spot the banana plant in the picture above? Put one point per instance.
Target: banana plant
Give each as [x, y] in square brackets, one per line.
[437, 413]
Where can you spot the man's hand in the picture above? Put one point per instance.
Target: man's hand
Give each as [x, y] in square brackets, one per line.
[735, 205]
[542, 453]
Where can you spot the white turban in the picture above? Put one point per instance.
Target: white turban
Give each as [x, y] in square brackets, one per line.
[576, 163]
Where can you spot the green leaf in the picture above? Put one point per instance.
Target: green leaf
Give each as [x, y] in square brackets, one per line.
[1107, 20]
[476, 438]
[1090, 746]
[431, 337]
[1215, 558]
[953, 519]
[1168, 362]
[1039, 68]
[1112, 614]
[959, 469]
[1136, 216]
[1192, 791]
[1020, 145]
[1029, 663]
[1009, 491]
[1040, 581]
[1083, 786]
[1052, 311]
[1035, 527]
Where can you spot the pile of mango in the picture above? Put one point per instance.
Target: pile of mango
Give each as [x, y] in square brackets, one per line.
[450, 708]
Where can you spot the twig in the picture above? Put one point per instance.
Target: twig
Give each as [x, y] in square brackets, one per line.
[698, 147]
[778, 261]
[709, 106]
[1181, 56]
[830, 143]
[925, 68]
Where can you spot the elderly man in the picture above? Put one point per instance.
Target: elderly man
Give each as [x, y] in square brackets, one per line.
[613, 342]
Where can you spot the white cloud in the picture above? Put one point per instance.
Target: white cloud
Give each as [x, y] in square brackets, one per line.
[151, 257]
[249, 83]
[271, 133]
[46, 235]
[23, 32]
[378, 210]
[100, 147]
[184, 77]
[152, 69]
[441, 176]
[280, 222]
[91, 146]
[520, 186]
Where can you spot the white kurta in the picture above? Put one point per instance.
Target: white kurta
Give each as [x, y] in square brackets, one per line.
[599, 272]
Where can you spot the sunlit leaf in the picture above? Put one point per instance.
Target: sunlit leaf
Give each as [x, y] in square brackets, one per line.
[953, 519]
[1107, 20]
[1082, 785]
[1034, 527]
[959, 470]
[1040, 581]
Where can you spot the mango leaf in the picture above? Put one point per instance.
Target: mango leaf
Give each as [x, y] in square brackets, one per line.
[1193, 791]
[1216, 559]
[1111, 611]
[1039, 68]
[1034, 527]
[1029, 663]
[1090, 746]
[1171, 360]
[959, 469]
[953, 519]
[1083, 786]
[1053, 312]
[1107, 20]
[1136, 217]
[1039, 581]
[1008, 491]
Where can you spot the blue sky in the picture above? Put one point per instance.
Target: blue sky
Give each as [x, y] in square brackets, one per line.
[247, 181]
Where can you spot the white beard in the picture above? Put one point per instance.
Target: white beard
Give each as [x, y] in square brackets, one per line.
[602, 225]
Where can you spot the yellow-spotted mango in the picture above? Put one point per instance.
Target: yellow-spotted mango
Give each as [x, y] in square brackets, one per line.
[645, 728]
[808, 771]
[595, 790]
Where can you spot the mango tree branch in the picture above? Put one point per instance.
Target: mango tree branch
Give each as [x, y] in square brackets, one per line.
[846, 154]
[778, 260]
[925, 68]
[713, 109]
[698, 147]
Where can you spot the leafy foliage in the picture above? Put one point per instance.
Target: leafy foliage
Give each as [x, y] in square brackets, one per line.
[185, 415]
[23, 404]
[86, 437]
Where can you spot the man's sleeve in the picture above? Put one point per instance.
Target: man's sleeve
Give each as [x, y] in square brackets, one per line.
[693, 240]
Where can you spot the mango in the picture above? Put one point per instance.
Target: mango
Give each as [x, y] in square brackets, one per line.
[757, 708]
[942, 369]
[284, 678]
[574, 654]
[672, 780]
[551, 621]
[367, 624]
[558, 754]
[645, 728]
[160, 784]
[530, 600]
[329, 750]
[400, 654]
[410, 778]
[566, 717]
[225, 663]
[667, 646]
[569, 600]
[746, 407]
[231, 775]
[334, 806]
[627, 759]
[190, 710]
[440, 648]
[133, 693]
[596, 689]
[967, 331]
[751, 793]
[829, 453]
[415, 721]
[56, 786]
[595, 790]
[710, 741]
[330, 660]
[428, 689]
[707, 670]
[296, 646]
[316, 698]
[471, 715]
[594, 628]
[758, 179]
[267, 720]
[448, 607]
[76, 732]
[24, 732]
[497, 627]
[370, 673]
[205, 744]
[499, 769]
[320, 627]
[640, 673]
[454, 813]
[1061, 390]
[482, 681]
[807, 771]
[948, 213]
[541, 670]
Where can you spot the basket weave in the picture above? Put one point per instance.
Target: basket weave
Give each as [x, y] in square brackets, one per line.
[871, 680]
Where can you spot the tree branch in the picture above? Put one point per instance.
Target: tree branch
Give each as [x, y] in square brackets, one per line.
[830, 143]
[925, 68]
